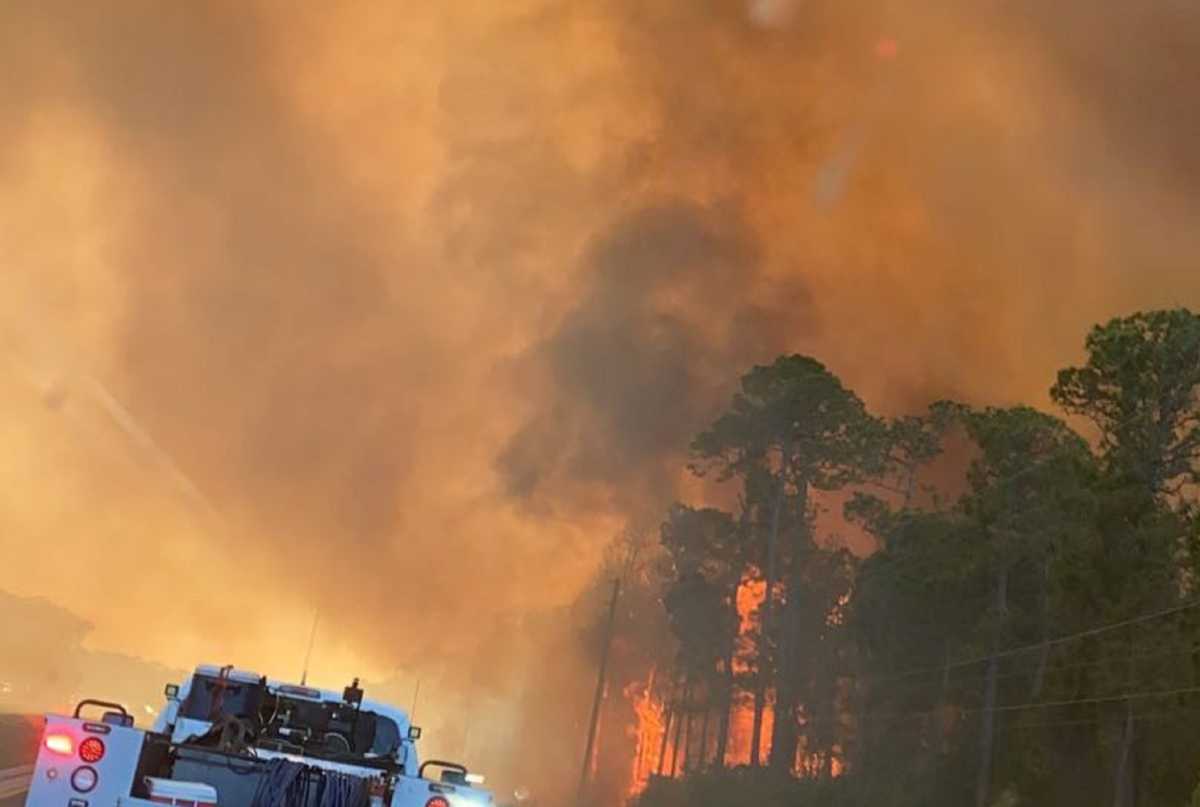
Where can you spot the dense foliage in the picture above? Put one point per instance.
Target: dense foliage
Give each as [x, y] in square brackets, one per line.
[1027, 631]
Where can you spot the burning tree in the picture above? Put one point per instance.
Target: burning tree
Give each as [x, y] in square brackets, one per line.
[791, 430]
[707, 564]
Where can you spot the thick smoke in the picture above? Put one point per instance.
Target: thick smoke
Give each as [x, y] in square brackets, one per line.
[674, 298]
[398, 312]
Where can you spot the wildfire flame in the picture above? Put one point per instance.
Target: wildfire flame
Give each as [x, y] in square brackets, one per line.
[750, 596]
[654, 749]
[657, 752]
[648, 733]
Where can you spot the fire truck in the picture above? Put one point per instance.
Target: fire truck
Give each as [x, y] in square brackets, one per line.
[233, 738]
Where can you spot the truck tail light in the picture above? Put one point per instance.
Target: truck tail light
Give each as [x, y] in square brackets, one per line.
[60, 744]
[91, 750]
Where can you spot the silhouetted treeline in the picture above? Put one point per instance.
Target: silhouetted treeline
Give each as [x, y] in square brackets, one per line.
[1027, 632]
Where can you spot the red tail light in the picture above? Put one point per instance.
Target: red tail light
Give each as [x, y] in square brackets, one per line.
[60, 744]
[91, 750]
[437, 801]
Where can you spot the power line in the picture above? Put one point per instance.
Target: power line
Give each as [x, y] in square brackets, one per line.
[959, 688]
[1126, 696]
[1014, 651]
[1051, 669]
[1122, 659]
[849, 721]
[1044, 645]
[1178, 714]
[1118, 698]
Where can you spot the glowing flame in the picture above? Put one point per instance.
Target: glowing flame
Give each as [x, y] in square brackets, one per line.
[656, 735]
[648, 733]
[750, 596]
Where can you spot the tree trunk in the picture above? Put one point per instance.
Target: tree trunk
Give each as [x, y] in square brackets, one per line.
[764, 642]
[681, 709]
[703, 756]
[943, 732]
[726, 706]
[760, 692]
[910, 484]
[987, 733]
[864, 744]
[687, 734]
[1039, 677]
[785, 739]
[731, 650]
[1123, 786]
[672, 707]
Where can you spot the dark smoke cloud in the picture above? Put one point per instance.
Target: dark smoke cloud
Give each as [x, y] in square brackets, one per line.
[635, 368]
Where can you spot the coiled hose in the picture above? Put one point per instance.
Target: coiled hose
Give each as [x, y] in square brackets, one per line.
[343, 790]
[289, 784]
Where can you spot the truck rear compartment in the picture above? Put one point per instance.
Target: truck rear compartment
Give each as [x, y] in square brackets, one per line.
[239, 781]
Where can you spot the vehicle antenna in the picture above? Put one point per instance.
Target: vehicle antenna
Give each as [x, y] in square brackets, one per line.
[412, 714]
[312, 638]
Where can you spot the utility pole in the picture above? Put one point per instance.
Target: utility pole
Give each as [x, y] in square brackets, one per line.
[595, 721]
[412, 713]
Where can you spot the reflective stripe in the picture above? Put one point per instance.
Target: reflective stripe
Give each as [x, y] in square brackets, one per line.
[15, 781]
[17, 772]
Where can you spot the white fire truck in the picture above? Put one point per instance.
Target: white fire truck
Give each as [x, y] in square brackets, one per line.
[233, 738]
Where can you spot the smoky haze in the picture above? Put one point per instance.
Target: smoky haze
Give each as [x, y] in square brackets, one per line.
[397, 312]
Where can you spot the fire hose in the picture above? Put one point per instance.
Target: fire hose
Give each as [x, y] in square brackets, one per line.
[288, 784]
